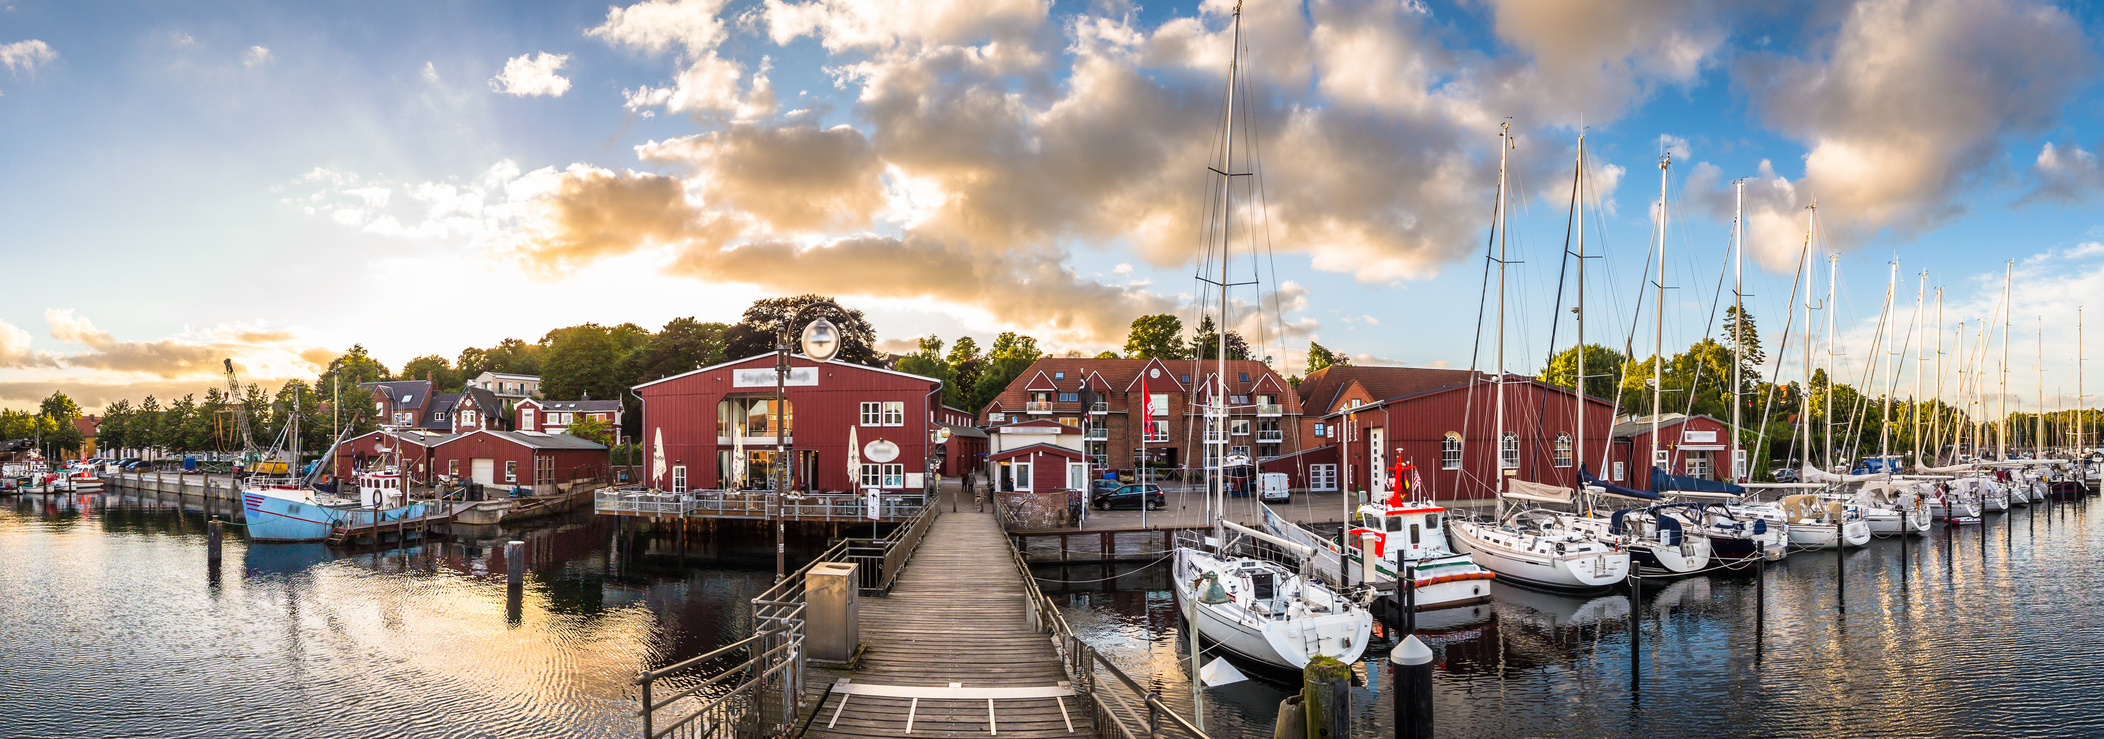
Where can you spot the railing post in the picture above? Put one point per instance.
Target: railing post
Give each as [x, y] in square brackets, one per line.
[648, 714]
[1154, 714]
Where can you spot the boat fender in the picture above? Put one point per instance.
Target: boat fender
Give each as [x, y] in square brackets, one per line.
[1759, 527]
[1559, 549]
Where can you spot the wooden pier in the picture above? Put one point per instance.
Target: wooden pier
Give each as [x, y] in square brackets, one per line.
[377, 532]
[952, 651]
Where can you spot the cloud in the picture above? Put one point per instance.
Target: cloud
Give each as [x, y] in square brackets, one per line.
[16, 352]
[707, 83]
[24, 57]
[1903, 106]
[256, 56]
[528, 75]
[848, 24]
[431, 73]
[792, 178]
[1594, 59]
[192, 353]
[2068, 178]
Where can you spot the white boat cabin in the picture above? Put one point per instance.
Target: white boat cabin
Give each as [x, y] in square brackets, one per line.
[1414, 532]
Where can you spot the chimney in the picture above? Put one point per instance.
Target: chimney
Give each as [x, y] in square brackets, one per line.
[427, 375]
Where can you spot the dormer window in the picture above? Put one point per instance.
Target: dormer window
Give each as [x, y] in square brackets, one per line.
[1059, 375]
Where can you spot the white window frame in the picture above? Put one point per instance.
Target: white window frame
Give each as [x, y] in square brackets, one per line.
[1322, 478]
[1563, 449]
[1663, 459]
[894, 413]
[1077, 475]
[404, 419]
[511, 471]
[1698, 467]
[679, 478]
[996, 417]
[1238, 427]
[1450, 451]
[527, 420]
[1155, 432]
[453, 468]
[872, 413]
[438, 415]
[1161, 405]
[1020, 470]
[895, 475]
[1618, 472]
[1509, 452]
[872, 476]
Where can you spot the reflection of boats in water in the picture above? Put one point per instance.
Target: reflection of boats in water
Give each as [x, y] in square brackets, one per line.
[265, 560]
[1557, 610]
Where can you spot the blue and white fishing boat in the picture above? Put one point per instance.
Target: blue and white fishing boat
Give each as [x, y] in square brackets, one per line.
[283, 511]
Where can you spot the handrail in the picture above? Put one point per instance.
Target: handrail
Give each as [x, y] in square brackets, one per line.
[1082, 662]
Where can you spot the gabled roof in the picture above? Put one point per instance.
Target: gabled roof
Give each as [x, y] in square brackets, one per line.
[1319, 391]
[1037, 423]
[1630, 426]
[440, 403]
[582, 406]
[1041, 383]
[510, 376]
[808, 362]
[1024, 451]
[480, 398]
[1133, 379]
[402, 394]
[535, 439]
[407, 436]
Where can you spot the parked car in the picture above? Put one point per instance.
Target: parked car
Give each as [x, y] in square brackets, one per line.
[1128, 496]
[1102, 487]
[1272, 487]
[1784, 475]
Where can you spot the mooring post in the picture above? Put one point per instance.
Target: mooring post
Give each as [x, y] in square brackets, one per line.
[1413, 689]
[1636, 608]
[212, 535]
[1760, 608]
[1325, 689]
[515, 562]
[1840, 569]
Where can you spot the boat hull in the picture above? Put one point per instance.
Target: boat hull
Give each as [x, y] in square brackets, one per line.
[1286, 643]
[1508, 555]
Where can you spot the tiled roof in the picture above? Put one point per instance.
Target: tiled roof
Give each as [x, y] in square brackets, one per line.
[537, 440]
[581, 406]
[1319, 390]
[403, 394]
[1066, 374]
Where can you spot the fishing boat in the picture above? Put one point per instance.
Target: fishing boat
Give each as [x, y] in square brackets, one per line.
[1400, 533]
[1257, 608]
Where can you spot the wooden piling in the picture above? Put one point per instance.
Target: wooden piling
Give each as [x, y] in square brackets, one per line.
[1325, 691]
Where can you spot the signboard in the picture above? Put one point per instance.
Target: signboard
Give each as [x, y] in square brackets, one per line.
[1699, 437]
[798, 377]
[875, 502]
[881, 450]
[914, 481]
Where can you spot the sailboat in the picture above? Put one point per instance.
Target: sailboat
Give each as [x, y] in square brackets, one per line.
[1528, 544]
[1257, 608]
[1403, 532]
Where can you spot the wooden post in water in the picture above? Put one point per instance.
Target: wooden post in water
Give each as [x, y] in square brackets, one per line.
[1840, 570]
[1413, 689]
[1326, 696]
[515, 582]
[212, 535]
[1636, 608]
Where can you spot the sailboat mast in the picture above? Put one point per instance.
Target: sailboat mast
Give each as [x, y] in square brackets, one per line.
[1498, 438]
[2081, 422]
[1920, 349]
[1833, 269]
[1885, 424]
[1738, 322]
[2002, 387]
[2040, 442]
[1578, 382]
[1658, 338]
[1216, 424]
[1805, 417]
[1939, 371]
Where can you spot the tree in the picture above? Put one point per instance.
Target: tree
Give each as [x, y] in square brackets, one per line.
[115, 432]
[443, 377]
[144, 428]
[1320, 356]
[60, 407]
[295, 398]
[1012, 353]
[1159, 336]
[512, 356]
[209, 429]
[471, 362]
[16, 424]
[1751, 353]
[1107, 355]
[1205, 343]
[769, 318]
[580, 361]
[683, 346]
[343, 375]
[177, 423]
[927, 361]
[1601, 364]
[592, 429]
[965, 368]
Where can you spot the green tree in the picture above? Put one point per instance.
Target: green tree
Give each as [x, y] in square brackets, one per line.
[1601, 364]
[471, 362]
[16, 424]
[1159, 336]
[178, 423]
[683, 346]
[512, 356]
[341, 378]
[1011, 354]
[1205, 343]
[60, 407]
[115, 432]
[580, 361]
[965, 368]
[592, 429]
[1320, 356]
[444, 378]
[295, 398]
[145, 426]
[926, 361]
[211, 428]
[766, 319]
[1750, 354]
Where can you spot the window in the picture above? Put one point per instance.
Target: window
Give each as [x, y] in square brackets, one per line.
[1618, 472]
[569, 418]
[1238, 427]
[1509, 454]
[441, 415]
[1322, 478]
[894, 413]
[1186, 378]
[1450, 452]
[1070, 397]
[467, 417]
[526, 420]
[511, 471]
[996, 417]
[872, 475]
[403, 419]
[1698, 467]
[1238, 400]
[1161, 404]
[453, 468]
[1239, 451]
[1155, 431]
[1020, 472]
[1077, 476]
[1563, 449]
[1070, 421]
[544, 469]
[679, 478]
[1244, 376]
[872, 413]
[1658, 459]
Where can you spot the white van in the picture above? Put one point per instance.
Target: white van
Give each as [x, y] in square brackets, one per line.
[1272, 488]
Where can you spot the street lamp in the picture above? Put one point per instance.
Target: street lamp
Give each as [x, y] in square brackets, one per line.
[821, 341]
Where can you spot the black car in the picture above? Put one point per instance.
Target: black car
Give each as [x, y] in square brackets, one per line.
[1102, 487]
[1128, 496]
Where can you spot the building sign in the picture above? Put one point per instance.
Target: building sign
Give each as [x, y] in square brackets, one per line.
[798, 377]
[1699, 437]
[880, 450]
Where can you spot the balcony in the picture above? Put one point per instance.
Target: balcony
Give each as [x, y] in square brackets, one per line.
[1270, 409]
[1038, 407]
[1097, 434]
[1215, 437]
[1098, 409]
[1271, 437]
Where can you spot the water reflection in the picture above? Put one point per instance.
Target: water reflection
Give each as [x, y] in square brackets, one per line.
[106, 605]
[1967, 631]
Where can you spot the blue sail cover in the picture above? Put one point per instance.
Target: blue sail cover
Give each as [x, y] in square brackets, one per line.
[1662, 481]
[1586, 476]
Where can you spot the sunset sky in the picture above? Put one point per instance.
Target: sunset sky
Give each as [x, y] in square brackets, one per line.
[277, 181]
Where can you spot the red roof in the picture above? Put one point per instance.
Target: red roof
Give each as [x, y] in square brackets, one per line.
[1024, 451]
[1319, 391]
[87, 424]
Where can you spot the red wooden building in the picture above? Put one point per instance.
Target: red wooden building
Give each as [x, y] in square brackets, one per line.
[1444, 422]
[1695, 446]
[414, 451]
[699, 418]
[539, 462]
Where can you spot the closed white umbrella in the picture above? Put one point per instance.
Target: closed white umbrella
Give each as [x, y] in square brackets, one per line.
[657, 457]
[738, 461]
[854, 460]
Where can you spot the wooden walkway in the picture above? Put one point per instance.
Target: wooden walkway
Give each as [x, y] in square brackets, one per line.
[956, 615]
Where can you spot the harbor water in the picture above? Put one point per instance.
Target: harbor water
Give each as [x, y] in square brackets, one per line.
[1973, 631]
[111, 625]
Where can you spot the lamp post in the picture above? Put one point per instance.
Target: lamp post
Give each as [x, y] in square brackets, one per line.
[820, 342]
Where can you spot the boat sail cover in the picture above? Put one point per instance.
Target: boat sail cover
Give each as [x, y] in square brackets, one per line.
[1814, 474]
[1662, 482]
[1586, 476]
[1536, 491]
[1943, 470]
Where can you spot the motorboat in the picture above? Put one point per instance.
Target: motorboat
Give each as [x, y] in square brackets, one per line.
[1401, 534]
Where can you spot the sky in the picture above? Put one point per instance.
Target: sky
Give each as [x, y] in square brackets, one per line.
[274, 182]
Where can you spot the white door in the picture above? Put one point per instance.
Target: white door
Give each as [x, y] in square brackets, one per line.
[1322, 477]
[1375, 466]
[1077, 476]
[484, 470]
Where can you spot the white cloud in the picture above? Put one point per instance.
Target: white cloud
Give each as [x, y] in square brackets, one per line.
[2065, 176]
[706, 83]
[528, 75]
[23, 57]
[256, 56]
[15, 350]
[430, 73]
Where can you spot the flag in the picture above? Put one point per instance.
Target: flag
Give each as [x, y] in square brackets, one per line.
[1146, 406]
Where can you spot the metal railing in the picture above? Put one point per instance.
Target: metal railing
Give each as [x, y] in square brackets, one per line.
[755, 505]
[1097, 435]
[642, 502]
[1270, 409]
[1038, 406]
[1270, 437]
[1118, 707]
[879, 560]
[1099, 408]
[1215, 437]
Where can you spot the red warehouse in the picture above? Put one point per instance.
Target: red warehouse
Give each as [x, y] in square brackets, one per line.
[1695, 446]
[703, 417]
[543, 463]
[411, 448]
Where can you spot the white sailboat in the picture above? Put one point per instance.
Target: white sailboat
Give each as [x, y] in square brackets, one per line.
[1528, 545]
[1259, 609]
[1391, 535]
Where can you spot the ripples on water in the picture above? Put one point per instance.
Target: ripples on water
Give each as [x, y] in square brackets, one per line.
[1953, 637]
[111, 625]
